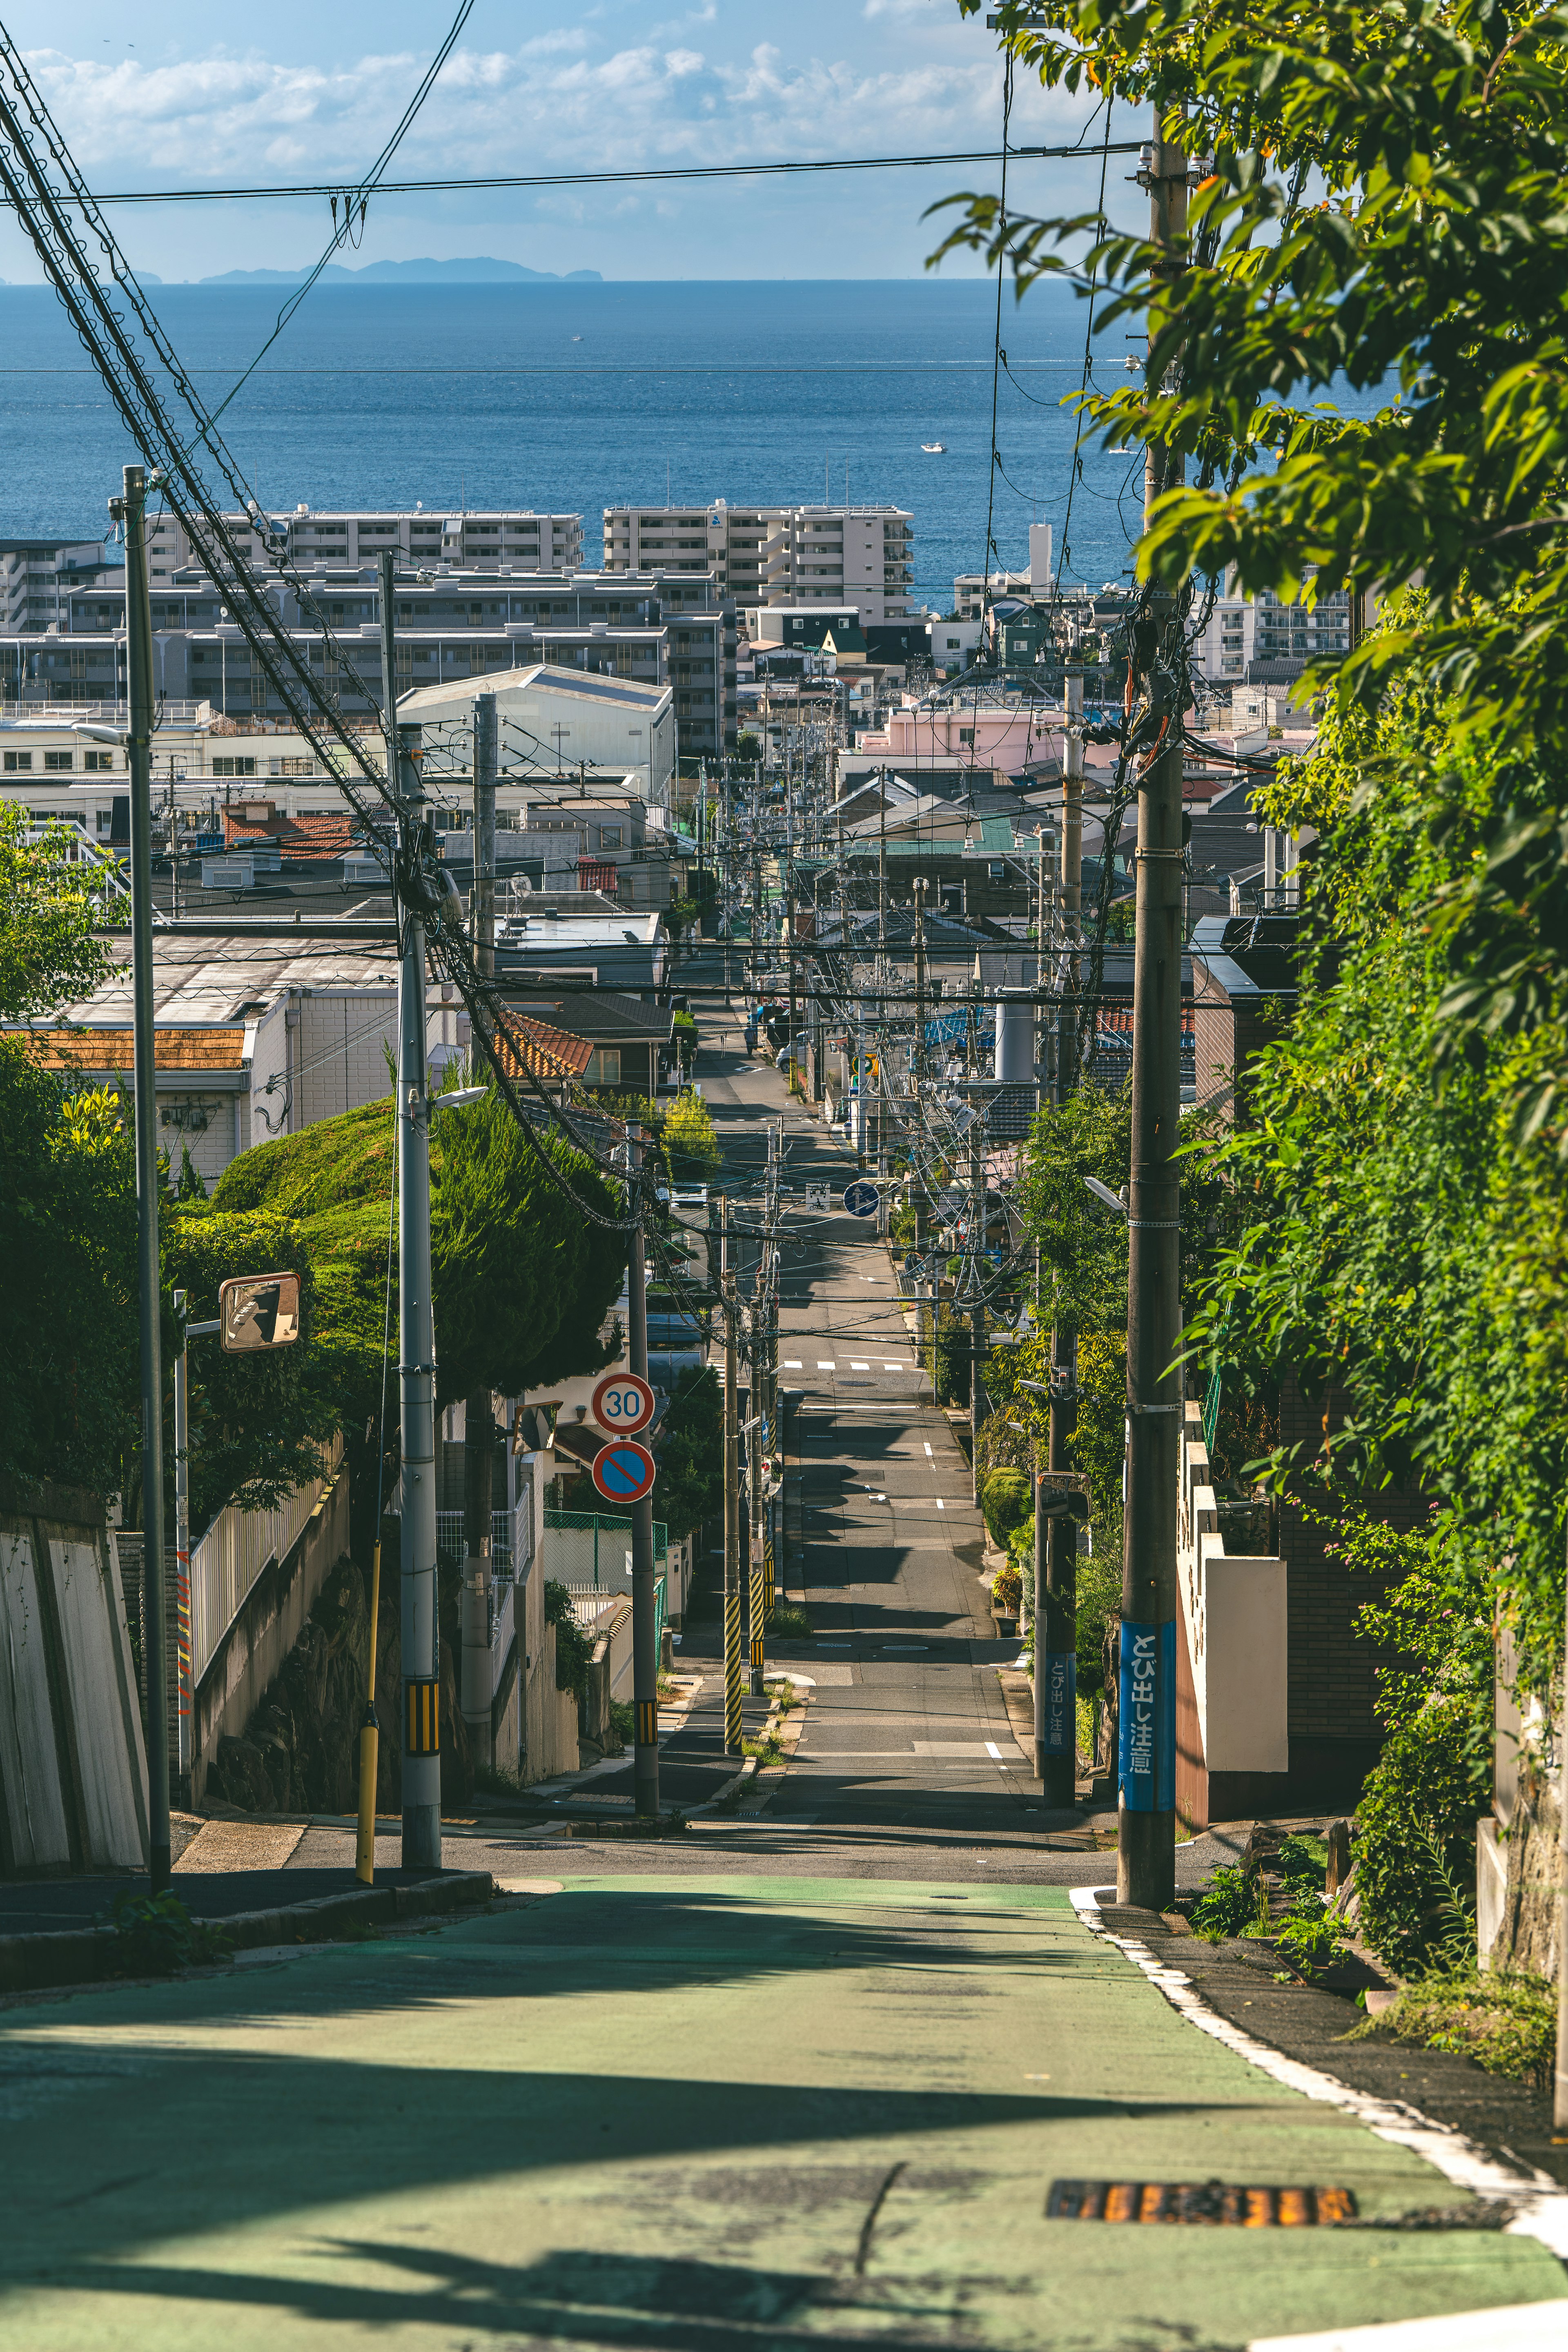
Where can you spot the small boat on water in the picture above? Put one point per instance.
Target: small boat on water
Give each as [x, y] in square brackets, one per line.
[934, 448]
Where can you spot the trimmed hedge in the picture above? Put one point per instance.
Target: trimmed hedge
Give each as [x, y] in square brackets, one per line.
[1006, 1501]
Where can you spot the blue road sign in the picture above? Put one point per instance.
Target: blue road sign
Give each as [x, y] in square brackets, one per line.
[623, 1471]
[861, 1199]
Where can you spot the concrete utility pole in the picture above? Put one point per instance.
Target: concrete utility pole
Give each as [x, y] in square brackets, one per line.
[1145, 1861]
[917, 1160]
[416, 1320]
[479, 1421]
[129, 509]
[977, 1296]
[733, 1716]
[1056, 1638]
[644, 1611]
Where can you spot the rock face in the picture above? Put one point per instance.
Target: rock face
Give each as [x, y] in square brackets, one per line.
[1528, 1936]
[300, 1752]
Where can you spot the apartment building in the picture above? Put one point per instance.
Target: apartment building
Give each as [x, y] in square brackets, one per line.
[861, 558]
[38, 575]
[453, 625]
[973, 591]
[1246, 635]
[522, 539]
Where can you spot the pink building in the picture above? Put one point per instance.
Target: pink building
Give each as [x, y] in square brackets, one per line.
[927, 734]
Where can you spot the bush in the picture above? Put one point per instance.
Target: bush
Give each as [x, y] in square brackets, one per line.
[1006, 1591]
[1415, 1838]
[954, 1353]
[790, 1619]
[154, 1935]
[1007, 1504]
[574, 1650]
[1507, 2022]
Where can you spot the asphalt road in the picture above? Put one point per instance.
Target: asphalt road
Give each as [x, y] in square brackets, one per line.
[791, 2082]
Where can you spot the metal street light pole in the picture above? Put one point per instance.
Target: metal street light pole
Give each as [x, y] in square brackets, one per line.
[416, 1321]
[129, 511]
[1146, 1859]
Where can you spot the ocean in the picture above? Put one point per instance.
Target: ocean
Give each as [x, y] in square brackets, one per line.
[580, 397]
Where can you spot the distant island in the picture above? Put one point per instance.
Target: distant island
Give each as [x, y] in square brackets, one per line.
[482, 270]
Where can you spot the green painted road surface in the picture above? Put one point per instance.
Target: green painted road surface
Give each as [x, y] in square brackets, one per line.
[682, 2111]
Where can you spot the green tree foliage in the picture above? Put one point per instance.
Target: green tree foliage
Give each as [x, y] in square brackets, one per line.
[1406, 1244]
[1416, 1836]
[689, 1139]
[257, 1420]
[523, 1279]
[67, 1304]
[50, 951]
[1384, 207]
[690, 1453]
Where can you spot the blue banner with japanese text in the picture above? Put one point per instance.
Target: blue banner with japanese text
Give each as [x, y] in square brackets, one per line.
[1059, 1703]
[1147, 1742]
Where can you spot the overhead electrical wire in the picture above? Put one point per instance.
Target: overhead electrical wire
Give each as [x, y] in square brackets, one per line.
[795, 168]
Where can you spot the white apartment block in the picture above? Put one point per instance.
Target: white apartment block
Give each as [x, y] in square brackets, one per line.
[970, 589]
[520, 540]
[842, 556]
[1226, 646]
[37, 575]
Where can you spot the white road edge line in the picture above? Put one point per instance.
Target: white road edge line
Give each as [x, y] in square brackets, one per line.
[1544, 2214]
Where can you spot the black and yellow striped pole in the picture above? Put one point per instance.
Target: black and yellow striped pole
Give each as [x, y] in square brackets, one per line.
[732, 1649]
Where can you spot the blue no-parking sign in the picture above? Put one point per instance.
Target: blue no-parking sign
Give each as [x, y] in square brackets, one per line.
[623, 1471]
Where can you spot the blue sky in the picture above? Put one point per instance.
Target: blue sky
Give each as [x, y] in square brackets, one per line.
[147, 97]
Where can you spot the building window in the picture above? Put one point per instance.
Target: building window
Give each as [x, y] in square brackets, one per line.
[609, 837]
[226, 767]
[18, 762]
[99, 763]
[603, 1066]
[58, 763]
[966, 734]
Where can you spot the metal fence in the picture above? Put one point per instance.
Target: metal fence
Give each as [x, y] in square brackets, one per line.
[232, 1553]
[592, 1551]
[590, 1603]
[451, 1542]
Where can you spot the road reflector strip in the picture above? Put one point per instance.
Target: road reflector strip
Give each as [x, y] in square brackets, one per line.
[1207, 2204]
[422, 1731]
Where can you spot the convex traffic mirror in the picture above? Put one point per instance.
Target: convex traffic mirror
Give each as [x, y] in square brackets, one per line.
[259, 1310]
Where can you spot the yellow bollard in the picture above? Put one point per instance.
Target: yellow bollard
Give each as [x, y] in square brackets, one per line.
[368, 1742]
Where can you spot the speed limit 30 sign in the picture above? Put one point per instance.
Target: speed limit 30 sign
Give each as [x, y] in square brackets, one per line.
[623, 1403]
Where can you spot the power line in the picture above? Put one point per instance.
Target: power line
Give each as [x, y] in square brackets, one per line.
[606, 179]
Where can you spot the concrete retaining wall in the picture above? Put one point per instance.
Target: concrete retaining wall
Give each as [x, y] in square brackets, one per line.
[73, 1770]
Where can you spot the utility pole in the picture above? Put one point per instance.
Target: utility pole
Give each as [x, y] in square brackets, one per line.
[760, 1417]
[1056, 1637]
[183, 1547]
[478, 1421]
[645, 1628]
[416, 1320]
[977, 1293]
[732, 1717]
[1145, 1861]
[129, 509]
[917, 1163]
